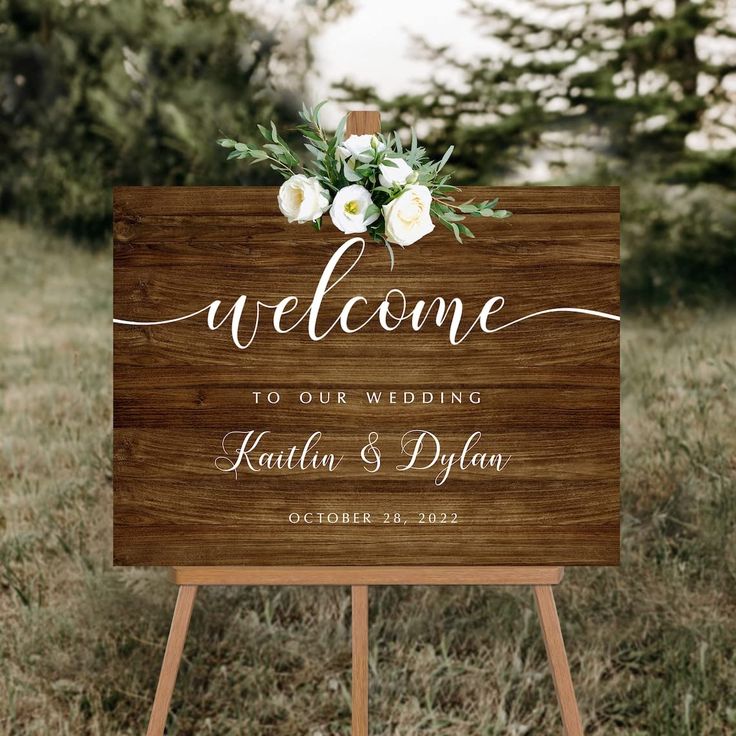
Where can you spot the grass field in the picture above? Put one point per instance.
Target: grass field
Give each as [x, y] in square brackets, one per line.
[652, 644]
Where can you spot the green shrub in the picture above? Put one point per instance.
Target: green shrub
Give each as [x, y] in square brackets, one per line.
[136, 92]
[678, 245]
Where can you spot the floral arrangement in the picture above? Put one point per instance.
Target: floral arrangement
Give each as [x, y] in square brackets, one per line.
[366, 183]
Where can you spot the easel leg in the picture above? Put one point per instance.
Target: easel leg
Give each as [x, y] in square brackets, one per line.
[172, 658]
[360, 660]
[558, 659]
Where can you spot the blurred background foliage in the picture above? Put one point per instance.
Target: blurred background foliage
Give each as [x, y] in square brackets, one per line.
[94, 94]
[632, 92]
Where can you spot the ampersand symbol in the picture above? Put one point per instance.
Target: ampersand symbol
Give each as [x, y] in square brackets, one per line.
[370, 454]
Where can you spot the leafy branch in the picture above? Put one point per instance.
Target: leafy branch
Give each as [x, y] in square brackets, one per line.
[276, 150]
[335, 168]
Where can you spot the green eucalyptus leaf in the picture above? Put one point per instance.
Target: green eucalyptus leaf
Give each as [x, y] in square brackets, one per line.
[372, 209]
[350, 173]
[445, 158]
[340, 132]
[317, 109]
[316, 140]
[456, 232]
[316, 152]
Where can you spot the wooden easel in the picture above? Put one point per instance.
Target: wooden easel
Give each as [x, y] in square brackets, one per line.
[359, 578]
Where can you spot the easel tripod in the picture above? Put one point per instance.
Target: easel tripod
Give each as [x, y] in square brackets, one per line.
[359, 578]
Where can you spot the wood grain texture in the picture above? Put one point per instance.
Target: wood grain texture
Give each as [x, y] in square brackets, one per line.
[360, 660]
[172, 658]
[361, 122]
[393, 575]
[557, 657]
[549, 386]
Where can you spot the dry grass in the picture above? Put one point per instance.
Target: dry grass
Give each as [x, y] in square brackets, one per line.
[652, 645]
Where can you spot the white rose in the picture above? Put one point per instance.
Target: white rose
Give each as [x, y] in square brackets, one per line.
[397, 174]
[303, 199]
[349, 207]
[360, 147]
[408, 216]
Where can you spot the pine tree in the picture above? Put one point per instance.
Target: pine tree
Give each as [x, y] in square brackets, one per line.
[630, 80]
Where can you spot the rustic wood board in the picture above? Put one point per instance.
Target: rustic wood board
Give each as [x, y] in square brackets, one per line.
[548, 387]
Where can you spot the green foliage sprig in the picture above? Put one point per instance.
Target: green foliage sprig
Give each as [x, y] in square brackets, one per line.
[336, 168]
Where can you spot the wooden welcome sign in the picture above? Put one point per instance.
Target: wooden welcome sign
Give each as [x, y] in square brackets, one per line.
[282, 397]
